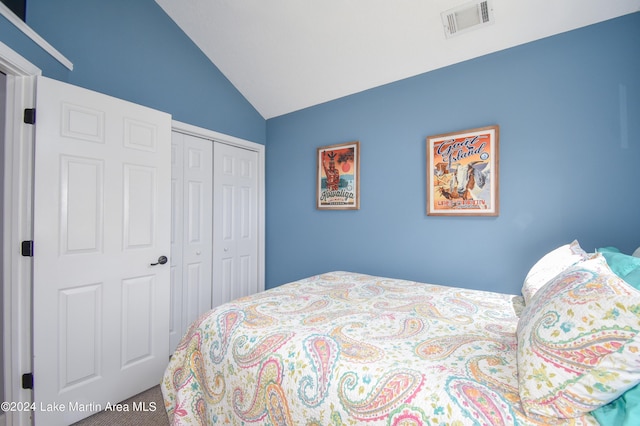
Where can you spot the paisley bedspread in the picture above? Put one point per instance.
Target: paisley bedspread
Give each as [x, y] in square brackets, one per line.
[345, 349]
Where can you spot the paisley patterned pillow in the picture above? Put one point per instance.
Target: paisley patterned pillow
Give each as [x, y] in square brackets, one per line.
[550, 265]
[579, 342]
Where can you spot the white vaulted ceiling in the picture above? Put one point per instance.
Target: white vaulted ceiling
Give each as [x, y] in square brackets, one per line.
[285, 55]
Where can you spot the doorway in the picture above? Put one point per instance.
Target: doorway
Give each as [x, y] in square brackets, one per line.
[17, 192]
[19, 84]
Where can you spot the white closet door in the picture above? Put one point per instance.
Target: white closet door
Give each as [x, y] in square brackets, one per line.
[101, 219]
[191, 245]
[176, 329]
[235, 212]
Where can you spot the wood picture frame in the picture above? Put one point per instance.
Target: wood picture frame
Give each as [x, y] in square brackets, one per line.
[338, 177]
[462, 173]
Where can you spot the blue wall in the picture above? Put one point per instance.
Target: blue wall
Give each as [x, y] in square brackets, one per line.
[17, 41]
[132, 50]
[568, 108]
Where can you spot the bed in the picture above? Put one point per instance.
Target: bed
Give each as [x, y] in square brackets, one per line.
[346, 348]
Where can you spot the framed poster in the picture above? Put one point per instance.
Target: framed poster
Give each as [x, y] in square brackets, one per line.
[338, 177]
[462, 173]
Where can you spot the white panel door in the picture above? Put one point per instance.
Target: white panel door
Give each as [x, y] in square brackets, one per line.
[235, 213]
[101, 222]
[191, 244]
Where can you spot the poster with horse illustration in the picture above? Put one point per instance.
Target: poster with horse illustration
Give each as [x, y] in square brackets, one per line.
[338, 177]
[462, 173]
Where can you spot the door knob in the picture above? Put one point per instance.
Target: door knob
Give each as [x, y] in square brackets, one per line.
[161, 261]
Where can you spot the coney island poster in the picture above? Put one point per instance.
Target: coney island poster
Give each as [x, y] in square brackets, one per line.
[462, 173]
[338, 177]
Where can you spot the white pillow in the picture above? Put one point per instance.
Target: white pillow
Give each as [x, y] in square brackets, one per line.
[637, 252]
[550, 265]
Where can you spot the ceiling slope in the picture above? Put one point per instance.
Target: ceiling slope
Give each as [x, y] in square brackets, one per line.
[285, 55]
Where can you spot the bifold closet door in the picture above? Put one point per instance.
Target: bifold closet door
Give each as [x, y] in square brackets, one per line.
[235, 212]
[191, 236]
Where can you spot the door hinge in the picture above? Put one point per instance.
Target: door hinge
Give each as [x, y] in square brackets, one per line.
[30, 116]
[27, 381]
[26, 248]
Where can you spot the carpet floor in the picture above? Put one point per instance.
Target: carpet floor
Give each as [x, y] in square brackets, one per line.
[146, 409]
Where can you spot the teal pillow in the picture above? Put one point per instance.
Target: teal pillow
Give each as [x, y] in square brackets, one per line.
[624, 411]
[608, 250]
[625, 266]
[633, 278]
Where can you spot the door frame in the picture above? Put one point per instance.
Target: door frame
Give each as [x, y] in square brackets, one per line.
[17, 227]
[214, 136]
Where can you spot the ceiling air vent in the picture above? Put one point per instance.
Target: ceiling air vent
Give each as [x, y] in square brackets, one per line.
[468, 17]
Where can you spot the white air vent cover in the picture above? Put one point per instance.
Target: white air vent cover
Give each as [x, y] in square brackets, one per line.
[469, 16]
